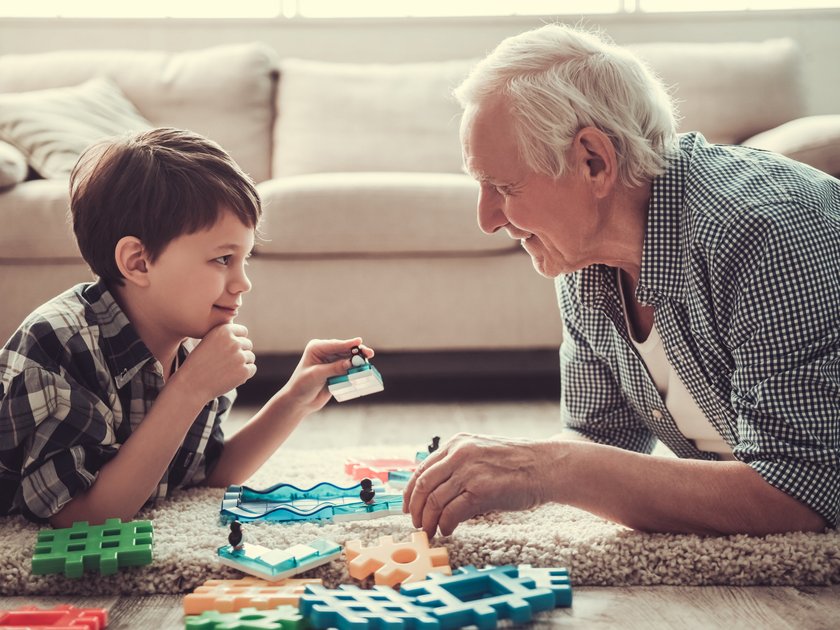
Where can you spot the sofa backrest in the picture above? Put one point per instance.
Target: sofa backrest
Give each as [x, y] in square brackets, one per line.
[347, 117]
[730, 91]
[225, 93]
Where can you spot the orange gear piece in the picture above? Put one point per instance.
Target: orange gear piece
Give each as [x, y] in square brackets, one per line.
[396, 563]
[229, 596]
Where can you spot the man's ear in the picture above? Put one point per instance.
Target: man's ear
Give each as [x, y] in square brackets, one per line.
[132, 260]
[595, 156]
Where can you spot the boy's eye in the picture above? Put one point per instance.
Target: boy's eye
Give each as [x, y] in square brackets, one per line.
[223, 260]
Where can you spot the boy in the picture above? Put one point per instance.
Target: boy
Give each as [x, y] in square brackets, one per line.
[103, 406]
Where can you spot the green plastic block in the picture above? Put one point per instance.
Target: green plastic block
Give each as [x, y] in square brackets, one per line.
[282, 617]
[83, 547]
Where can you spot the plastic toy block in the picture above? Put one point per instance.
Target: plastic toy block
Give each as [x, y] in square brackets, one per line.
[283, 617]
[398, 479]
[358, 381]
[233, 595]
[324, 502]
[352, 608]
[419, 456]
[110, 546]
[277, 564]
[396, 563]
[480, 597]
[358, 469]
[60, 617]
[556, 580]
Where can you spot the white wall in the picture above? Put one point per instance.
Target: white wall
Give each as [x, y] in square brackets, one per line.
[392, 40]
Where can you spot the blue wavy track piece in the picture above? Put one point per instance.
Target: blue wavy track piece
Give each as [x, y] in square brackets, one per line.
[285, 502]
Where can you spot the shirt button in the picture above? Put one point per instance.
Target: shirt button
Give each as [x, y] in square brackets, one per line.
[657, 415]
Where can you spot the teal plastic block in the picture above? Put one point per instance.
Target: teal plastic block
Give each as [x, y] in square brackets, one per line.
[276, 564]
[399, 478]
[352, 608]
[556, 580]
[282, 617]
[82, 547]
[480, 597]
[286, 503]
[357, 381]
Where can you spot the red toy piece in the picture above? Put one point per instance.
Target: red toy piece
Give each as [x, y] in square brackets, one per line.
[64, 617]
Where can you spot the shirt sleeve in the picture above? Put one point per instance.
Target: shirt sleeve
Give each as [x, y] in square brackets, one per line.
[591, 400]
[59, 440]
[780, 306]
[204, 443]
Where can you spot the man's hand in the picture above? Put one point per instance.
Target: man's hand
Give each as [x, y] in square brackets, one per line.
[474, 474]
[222, 361]
[321, 359]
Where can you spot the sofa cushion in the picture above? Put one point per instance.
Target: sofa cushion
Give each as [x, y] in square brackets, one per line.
[814, 140]
[12, 165]
[225, 93]
[340, 117]
[52, 127]
[730, 91]
[35, 222]
[371, 214]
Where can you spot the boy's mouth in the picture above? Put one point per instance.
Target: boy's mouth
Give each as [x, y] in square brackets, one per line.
[230, 310]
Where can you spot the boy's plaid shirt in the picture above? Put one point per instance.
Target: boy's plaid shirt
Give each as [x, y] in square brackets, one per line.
[75, 382]
[741, 261]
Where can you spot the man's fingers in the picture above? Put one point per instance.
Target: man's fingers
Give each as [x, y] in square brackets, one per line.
[436, 502]
[424, 484]
[456, 511]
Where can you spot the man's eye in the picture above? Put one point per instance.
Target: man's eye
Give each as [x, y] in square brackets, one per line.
[223, 260]
[502, 190]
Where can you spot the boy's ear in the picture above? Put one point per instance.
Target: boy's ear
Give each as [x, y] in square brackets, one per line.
[596, 155]
[132, 260]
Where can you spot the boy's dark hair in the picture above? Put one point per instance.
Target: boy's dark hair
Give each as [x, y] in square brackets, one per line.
[156, 185]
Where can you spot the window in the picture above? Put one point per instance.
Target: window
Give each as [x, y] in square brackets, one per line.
[379, 8]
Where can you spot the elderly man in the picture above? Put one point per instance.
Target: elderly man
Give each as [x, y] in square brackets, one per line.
[700, 298]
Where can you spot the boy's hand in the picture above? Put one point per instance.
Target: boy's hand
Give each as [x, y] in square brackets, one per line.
[322, 358]
[221, 361]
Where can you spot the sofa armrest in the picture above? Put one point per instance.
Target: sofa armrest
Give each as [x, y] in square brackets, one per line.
[813, 140]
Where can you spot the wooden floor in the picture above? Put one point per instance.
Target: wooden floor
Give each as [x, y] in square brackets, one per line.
[358, 422]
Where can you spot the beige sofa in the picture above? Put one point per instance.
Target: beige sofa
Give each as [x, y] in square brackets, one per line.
[369, 222]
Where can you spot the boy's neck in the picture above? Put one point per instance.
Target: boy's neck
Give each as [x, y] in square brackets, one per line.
[164, 347]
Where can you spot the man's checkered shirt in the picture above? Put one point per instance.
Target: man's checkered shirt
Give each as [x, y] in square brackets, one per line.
[741, 262]
[75, 382]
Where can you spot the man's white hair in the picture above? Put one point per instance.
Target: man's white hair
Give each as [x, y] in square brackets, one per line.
[558, 79]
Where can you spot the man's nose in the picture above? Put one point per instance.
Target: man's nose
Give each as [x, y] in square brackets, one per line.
[490, 216]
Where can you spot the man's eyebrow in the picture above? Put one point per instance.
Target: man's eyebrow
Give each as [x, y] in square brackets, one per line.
[476, 175]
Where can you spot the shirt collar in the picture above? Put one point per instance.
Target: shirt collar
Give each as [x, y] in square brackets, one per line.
[124, 351]
[662, 265]
[662, 270]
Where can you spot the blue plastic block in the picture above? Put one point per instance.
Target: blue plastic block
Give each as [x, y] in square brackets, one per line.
[280, 618]
[284, 503]
[480, 597]
[105, 547]
[276, 564]
[352, 608]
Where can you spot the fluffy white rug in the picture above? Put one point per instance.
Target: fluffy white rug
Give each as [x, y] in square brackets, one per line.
[596, 552]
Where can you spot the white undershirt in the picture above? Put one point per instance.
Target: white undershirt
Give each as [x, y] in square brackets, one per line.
[687, 415]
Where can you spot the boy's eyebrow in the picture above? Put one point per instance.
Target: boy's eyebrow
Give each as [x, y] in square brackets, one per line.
[229, 246]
